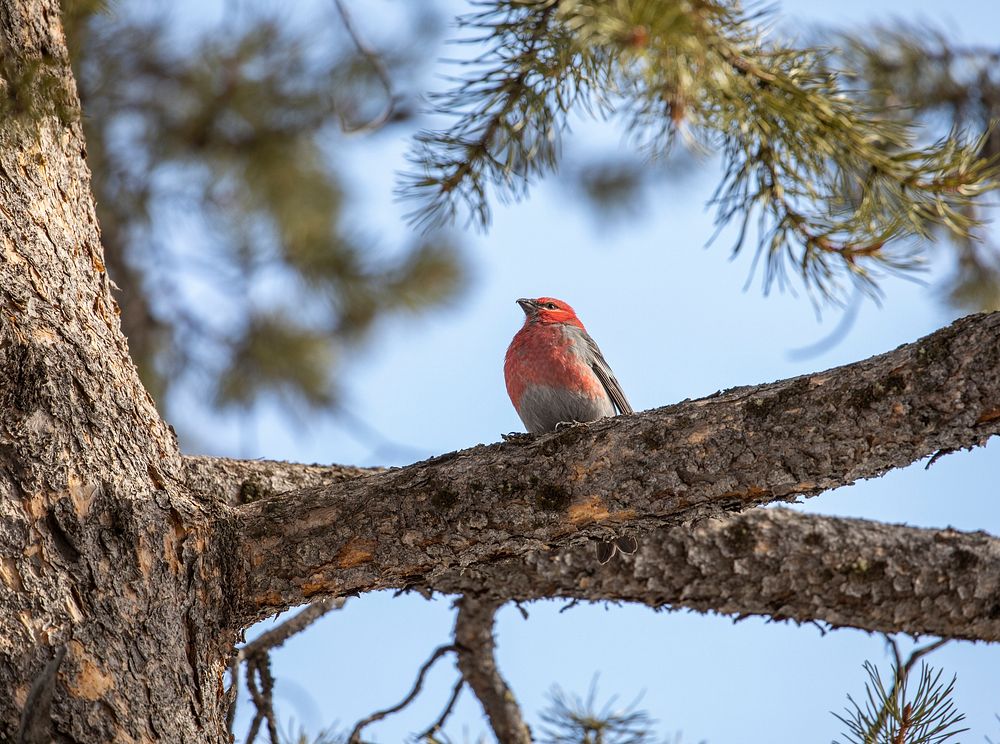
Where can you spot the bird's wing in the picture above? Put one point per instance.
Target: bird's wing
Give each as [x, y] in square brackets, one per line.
[606, 376]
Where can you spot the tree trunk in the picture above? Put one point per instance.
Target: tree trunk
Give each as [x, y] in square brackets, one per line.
[103, 570]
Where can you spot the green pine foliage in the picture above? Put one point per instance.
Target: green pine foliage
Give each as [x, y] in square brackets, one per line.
[836, 188]
[570, 719]
[225, 215]
[215, 162]
[896, 713]
[920, 75]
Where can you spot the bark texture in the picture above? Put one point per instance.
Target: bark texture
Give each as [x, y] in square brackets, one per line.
[102, 555]
[775, 562]
[695, 459]
[782, 564]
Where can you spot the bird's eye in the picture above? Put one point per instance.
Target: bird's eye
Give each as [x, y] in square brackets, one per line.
[551, 306]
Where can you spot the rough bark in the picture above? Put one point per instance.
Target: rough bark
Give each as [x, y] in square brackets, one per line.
[477, 662]
[775, 562]
[102, 556]
[695, 459]
[784, 565]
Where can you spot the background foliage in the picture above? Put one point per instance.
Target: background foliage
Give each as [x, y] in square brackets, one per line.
[226, 219]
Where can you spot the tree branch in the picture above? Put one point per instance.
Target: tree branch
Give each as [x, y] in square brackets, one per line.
[378, 65]
[782, 564]
[435, 727]
[263, 700]
[779, 563]
[235, 482]
[476, 661]
[276, 637]
[256, 654]
[731, 451]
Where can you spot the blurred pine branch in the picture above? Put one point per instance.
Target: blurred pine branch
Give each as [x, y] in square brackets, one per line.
[226, 218]
[922, 75]
[836, 186]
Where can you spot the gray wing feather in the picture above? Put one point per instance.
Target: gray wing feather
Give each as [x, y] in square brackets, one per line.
[607, 377]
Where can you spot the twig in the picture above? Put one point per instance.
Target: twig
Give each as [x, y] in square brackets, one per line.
[439, 723]
[256, 654]
[355, 737]
[375, 60]
[295, 624]
[267, 683]
[477, 662]
[259, 666]
[938, 455]
[916, 655]
[262, 706]
[232, 693]
[904, 725]
[569, 606]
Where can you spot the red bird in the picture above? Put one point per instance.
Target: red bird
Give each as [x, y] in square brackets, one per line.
[556, 375]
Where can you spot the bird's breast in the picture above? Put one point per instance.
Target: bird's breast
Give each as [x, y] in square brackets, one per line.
[546, 356]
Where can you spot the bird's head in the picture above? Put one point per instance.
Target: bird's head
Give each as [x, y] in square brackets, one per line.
[548, 310]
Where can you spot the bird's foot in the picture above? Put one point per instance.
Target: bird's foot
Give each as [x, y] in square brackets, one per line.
[562, 425]
[516, 436]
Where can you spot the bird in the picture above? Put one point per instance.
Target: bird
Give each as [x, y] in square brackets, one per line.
[557, 376]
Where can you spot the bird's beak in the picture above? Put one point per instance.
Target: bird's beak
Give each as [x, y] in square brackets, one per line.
[529, 306]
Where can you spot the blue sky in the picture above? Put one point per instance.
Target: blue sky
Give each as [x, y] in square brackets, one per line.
[674, 321]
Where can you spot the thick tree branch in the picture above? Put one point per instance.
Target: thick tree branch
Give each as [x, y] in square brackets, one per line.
[236, 482]
[778, 563]
[725, 453]
[477, 662]
[782, 564]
